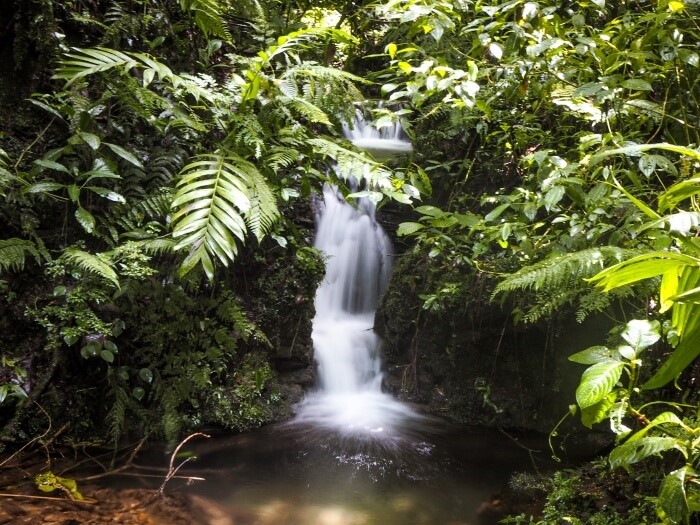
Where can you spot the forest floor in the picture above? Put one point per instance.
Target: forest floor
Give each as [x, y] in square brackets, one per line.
[76, 495]
[110, 506]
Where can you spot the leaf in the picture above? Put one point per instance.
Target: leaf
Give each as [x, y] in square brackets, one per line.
[107, 355]
[640, 268]
[661, 419]
[687, 350]
[408, 228]
[641, 334]
[92, 264]
[496, 212]
[553, 196]
[597, 382]
[146, 375]
[85, 218]
[672, 496]
[631, 452]
[598, 412]
[43, 187]
[84, 62]
[52, 165]
[593, 355]
[124, 154]
[90, 139]
[213, 194]
[639, 148]
[636, 84]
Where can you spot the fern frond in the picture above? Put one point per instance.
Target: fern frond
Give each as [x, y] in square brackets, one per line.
[307, 110]
[116, 416]
[249, 132]
[263, 212]
[13, 253]
[156, 246]
[281, 157]
[208, 17]
[84, 62]
[90, 263]
[212, 197]
[556, 272]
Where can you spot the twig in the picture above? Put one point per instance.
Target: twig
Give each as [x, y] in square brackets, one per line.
[128, 464]
[89, 502]
[172, 470]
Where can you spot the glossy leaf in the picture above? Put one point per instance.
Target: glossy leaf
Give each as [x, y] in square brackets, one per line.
[597, 382]
[631, 452]
[593, 355]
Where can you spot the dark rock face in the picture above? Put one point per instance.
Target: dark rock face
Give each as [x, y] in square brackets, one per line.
[468, 362]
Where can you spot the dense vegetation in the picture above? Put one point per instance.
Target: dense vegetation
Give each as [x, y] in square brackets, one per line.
[155, 179]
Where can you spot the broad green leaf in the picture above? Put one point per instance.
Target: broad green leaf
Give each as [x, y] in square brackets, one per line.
[496, 212]
[73, 192]
[636, 84]
[43, 187]
[408, 228]
[85, 218]
[668, 289]
[672, 496]
[553, 196]
[107, 355]
[631, 452]
[641, 334]
[124, 154]
[598, 412]
[593, 355]
[50, 164]
[597, 382]
[640, 268]
[107, 194]
[687, 350]
[639, 148]
[90, 139]
[661, 419]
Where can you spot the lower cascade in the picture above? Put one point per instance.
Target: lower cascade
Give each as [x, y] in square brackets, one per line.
[350, 397]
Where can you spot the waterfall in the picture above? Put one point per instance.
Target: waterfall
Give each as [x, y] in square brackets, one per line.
[350, 398]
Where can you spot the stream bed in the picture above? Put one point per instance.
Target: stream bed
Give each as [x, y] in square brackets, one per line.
[296, 475]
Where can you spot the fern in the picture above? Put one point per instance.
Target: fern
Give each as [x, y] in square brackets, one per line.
[92, 264]
[559, 280]
[263, 212]
[13, 253]
[116, 417]
[212, 196]
[555, 272]
[84, 62]
[208, 17]
[281, 157]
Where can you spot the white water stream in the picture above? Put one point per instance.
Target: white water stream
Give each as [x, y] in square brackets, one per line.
[350, 397]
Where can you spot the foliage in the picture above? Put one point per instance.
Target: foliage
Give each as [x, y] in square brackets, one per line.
[589, 495]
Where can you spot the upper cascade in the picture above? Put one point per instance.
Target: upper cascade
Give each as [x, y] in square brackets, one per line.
[383, 143]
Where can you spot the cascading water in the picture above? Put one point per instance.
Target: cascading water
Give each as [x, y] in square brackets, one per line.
[350, 397]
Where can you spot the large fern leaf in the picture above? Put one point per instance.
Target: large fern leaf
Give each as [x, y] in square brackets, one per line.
[84, 62]
[263, 211]
[559, 281]
[13, 253]
[208, 15]
[212, 197]
[98, 266]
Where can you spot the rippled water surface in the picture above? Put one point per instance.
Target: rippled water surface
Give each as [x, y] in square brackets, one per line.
[296, 475]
